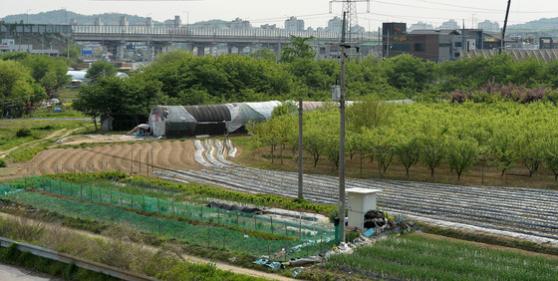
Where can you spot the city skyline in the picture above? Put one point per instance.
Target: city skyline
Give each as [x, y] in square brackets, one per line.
[315, 13]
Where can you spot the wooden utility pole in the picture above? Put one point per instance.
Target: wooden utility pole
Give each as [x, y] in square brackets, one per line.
[503, 43]
[342, 98]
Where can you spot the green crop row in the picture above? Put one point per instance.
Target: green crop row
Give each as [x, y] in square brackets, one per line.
[200, 234]
[194, 191]
[419, 257]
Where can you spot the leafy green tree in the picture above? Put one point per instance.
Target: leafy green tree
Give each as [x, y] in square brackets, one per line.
[462, 154]
[112, 96]
[18, 90]
[550, 157]
[298, 48]
[99, 70]
[433, 151]
[368, 113]
[501, 151]
[408, 153]
[408, 73]
[530, 151]
[51, 73]
[264, 54]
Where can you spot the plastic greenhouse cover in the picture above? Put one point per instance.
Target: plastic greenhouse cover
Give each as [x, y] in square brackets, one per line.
[162, 114]
[242, 114]
[264, 108]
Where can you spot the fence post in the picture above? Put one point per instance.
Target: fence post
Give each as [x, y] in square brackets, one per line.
[271, 221]
[300, 227]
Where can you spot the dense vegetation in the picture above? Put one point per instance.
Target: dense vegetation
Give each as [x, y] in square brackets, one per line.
[501, 135]
[26, 80]
[181, 78]
[420, 257]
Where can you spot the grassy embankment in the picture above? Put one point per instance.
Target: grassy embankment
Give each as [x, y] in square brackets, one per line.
[114, 249]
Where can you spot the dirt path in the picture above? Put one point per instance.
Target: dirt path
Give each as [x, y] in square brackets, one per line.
[55, 134]
[192, 259]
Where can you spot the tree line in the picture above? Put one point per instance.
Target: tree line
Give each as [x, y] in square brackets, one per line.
[502, 135]
[180, 78]
[26, 80]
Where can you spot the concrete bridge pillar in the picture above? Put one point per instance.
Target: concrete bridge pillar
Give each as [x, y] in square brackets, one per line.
[120, 50]
[199, 50]
[117, 48]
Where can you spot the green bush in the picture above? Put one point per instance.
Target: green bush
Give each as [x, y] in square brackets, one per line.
[2, 163]
[23, 132]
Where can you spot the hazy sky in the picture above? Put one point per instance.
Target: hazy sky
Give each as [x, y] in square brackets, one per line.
[315, 12]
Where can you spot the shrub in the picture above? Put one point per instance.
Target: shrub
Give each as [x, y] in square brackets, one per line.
[2, 163]
[23, 132]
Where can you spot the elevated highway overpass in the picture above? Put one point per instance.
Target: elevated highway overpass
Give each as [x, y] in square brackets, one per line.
[197, 40]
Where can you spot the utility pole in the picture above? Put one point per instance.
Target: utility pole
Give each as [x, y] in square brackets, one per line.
[503, 43]
[349, 21]
[300, 150]
[342, 98]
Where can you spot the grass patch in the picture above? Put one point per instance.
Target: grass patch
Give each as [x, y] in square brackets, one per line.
[29, 152]
[20, 132]
[165, 264]
[420, 257]
[13, 256]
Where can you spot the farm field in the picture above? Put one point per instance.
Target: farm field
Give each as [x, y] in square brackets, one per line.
[157, 213]
[134, 158]
[427, 257]
[499, 143]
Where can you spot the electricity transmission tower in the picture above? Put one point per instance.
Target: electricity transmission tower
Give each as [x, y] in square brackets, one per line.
[350, 9]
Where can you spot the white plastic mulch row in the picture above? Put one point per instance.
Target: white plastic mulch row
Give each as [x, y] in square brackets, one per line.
[522, 211]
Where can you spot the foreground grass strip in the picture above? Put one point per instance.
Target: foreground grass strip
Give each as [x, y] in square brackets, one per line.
[424, 258]
[161, 264]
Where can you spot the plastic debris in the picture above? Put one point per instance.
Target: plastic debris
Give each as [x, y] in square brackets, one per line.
[296, 272]
[273, 265]
[369, 232]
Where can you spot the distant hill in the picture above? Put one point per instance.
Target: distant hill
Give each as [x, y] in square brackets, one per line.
[64, 17]
[544, 24]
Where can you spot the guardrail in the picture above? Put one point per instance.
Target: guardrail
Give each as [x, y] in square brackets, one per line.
[185, 31]
[67, 259]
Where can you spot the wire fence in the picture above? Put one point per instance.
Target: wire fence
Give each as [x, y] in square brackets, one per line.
[256, 234]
